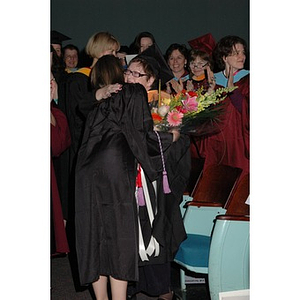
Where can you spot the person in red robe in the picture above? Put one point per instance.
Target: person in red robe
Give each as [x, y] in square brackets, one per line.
[230, 144]
[60, 141]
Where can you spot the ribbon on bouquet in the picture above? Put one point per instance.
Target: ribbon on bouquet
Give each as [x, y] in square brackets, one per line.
[153, 246]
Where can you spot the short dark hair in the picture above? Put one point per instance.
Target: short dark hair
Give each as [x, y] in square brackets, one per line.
[107, 70]
[180, 47]
[70, 47]
[224, 48]
[149, 64]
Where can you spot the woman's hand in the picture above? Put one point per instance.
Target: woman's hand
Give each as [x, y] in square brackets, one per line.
[189, 85]
[53, 88]
[52, 119]
[168, 89]
[106, 91]
[211, 80]
[174, 131]
[177, 85]
[229, 74]
[176, 134]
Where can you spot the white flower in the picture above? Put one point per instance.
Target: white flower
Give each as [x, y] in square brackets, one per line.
[163, 110]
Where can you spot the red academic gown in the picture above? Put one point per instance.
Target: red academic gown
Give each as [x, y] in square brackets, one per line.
[230, 145]
[60, 141]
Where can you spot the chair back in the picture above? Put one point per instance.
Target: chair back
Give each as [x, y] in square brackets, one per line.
[215, 184]
[236, 203]
[197, 164]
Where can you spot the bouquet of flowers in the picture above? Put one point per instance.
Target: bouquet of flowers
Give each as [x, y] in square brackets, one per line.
[189, 110]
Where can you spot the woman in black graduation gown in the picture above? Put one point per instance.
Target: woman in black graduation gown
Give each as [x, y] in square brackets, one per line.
[167, 227]
[118, 134]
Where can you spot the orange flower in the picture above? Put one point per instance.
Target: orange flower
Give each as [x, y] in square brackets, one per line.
[156, 117]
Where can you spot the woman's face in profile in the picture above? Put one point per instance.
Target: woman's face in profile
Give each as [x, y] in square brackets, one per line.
[236, 59]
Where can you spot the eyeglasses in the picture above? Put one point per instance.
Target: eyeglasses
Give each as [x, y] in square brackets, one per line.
[134, 73]
[198, 65]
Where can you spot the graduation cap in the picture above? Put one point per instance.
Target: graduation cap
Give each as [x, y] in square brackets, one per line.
[155, 58]
[58, 38]
[205, 43]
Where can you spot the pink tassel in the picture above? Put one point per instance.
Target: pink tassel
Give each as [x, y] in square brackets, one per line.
[140, 196]
[166, 186]
[166, 183]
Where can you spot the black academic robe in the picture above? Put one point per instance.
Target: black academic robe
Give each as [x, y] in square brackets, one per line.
[80, 100]
[168, 228]
[118, 134]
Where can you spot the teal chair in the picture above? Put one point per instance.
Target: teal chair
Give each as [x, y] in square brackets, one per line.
[193, 253]
[218, 243]
[185, 199]
[214, 187]
[229, 255]
[229, 249]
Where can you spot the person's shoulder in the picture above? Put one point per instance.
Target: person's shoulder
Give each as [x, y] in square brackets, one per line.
[221, 80]
[57, 112]
[219, 74]
[84, 70]
[133, 88]
[80, 76]
[243, 76]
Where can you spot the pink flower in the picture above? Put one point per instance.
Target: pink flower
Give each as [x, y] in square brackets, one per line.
[175, 118]
[190, 104]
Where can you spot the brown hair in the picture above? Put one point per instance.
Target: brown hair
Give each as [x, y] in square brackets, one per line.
[107, 70]
[194, 53]
[149, 64]
[225, 47]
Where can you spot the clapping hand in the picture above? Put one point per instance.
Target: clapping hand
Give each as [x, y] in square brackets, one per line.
[211, 80]
[189, 85]
[177, 85]
[229, 73]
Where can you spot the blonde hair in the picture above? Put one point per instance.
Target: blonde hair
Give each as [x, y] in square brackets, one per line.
[101, 42]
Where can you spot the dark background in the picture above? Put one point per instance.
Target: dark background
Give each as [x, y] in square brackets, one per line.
[170, 21]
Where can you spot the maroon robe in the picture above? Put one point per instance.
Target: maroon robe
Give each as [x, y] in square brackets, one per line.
[60, 141]
[230, 145]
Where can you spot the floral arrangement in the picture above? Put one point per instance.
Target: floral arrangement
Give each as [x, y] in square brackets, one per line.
[188, 109]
